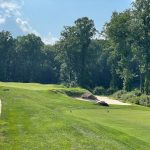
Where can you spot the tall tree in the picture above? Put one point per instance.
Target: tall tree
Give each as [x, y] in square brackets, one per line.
[85, 30]
[7, 53]
[49, 66]
[29, 50]
[141, 28]
[117, 31]
[74, 44]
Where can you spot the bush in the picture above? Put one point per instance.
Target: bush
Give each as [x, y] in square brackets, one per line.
[135, 97]
[137, 92]
[145, 101]
[119, 94]
[99, 91]
[71, 84]
[110, 91]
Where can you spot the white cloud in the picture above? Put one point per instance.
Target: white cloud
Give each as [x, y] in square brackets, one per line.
[2, 20]
[25, 26]
[9, 5]
[12, 8]
[49, 39]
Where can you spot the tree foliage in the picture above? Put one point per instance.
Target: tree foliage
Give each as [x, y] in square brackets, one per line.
[121, 60]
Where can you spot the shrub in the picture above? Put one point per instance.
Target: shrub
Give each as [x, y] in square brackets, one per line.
[135, 97]
[119, 94]
[99, 90]
[145, 101]
[137, 92]
[71, 84]
[110, 91]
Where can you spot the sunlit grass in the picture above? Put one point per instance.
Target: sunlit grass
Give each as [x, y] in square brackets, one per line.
[34, 116]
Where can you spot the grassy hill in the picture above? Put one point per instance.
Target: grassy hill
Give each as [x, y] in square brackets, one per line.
[43, 117]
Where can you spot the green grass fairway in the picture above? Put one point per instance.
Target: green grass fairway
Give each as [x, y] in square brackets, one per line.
[37, 117]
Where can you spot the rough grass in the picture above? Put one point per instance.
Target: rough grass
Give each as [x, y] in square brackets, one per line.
[35, 116]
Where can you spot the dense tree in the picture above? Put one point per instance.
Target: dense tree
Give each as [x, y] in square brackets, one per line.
[50, 67]
[141, 36]
[98, 68]
[85, 30]
[74, 44]
[119, 61]
[7, 54]
[118, 32]
[29, 51]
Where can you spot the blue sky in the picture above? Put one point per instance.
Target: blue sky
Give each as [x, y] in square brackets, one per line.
[46, 18]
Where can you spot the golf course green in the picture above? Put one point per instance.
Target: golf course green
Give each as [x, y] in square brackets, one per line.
[43, 117]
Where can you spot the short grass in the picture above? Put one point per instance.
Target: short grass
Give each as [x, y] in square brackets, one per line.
[37, 117]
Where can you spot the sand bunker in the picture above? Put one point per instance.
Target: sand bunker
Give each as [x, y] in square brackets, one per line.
[105, 99]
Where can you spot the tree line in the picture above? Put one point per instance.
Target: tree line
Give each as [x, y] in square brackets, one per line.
[121, 60]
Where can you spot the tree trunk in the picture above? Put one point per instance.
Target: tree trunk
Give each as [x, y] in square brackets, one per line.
[141, 83]
[147, 80]
[82, 76]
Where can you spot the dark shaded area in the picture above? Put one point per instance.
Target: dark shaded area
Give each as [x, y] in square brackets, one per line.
[88, 96]
[102, 103]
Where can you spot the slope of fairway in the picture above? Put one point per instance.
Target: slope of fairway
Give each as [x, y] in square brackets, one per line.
[35, 116]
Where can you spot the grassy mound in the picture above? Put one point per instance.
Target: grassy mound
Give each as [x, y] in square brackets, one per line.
[42, 87]
[36, 116]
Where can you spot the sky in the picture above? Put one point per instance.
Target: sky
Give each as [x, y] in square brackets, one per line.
[47, 18]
